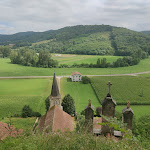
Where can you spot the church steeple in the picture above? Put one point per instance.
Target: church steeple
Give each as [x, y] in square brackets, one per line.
[55, 90]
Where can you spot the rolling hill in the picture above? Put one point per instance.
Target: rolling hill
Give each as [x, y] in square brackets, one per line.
[83, 39]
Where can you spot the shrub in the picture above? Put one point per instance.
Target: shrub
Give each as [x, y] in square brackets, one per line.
[26, 111]
[68, 105]
[86, 80]
[36, 114]
[47, 103]
[98, 111]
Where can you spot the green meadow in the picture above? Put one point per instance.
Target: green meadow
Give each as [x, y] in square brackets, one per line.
[124, 88]
[80, 92]
[15, 93]
[79, 59]
[8, 69]
[139, 111]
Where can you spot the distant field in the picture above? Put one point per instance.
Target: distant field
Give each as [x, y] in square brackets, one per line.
[139, 111]
[79, 59]
[8, 69]
[15, 93]
[81, 93]
[124, 88]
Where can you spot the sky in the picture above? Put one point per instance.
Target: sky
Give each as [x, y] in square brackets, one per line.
[42, 15]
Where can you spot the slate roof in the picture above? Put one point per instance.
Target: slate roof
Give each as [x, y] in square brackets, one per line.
[55, 90]
[8, 130]
[126, 109]
[76, 73]
[108, 98]
[91, 106]
[56, 119]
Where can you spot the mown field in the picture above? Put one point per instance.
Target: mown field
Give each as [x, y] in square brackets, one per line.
[81, 93]
[15, 93]
[69, 59]
[124, 88]
[8, 69]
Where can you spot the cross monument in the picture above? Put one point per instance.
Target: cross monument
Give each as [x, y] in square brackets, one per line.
[109, 84]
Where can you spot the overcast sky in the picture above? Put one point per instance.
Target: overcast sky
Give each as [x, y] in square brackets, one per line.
[42, 15]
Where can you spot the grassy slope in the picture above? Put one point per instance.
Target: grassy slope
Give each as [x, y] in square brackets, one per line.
[8, 69]
[15, 93]
[79, 59]
[81, 93]
[124, 88]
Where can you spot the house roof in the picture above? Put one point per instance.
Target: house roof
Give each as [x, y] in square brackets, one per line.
[76, 73]
[108, 98]
[56, 119]
[8, 130]
[55, 90]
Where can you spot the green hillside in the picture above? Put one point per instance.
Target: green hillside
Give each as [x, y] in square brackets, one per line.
[83, 39]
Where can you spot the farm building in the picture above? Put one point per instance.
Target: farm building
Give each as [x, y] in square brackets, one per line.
[76, 76]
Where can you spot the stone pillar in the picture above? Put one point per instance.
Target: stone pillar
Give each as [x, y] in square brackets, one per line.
[108, 110]
[128, 116]
[89, 115]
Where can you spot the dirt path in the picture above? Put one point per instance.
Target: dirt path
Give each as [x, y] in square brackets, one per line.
[30, 77]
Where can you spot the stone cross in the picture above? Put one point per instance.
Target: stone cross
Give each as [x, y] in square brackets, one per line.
[109, 84]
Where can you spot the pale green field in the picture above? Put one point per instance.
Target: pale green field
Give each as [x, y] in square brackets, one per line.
[8, 69]
[81, 93]
[79, 59]
[139, 111]
[15, 93]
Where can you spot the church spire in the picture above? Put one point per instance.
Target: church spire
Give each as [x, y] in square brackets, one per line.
[55, 90]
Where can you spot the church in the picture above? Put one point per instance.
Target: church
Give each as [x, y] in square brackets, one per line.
[55, 118]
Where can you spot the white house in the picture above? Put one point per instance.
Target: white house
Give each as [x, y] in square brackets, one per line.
[76, 76]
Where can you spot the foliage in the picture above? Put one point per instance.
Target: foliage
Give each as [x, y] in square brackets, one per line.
[142, 127]
[5, 51]
[68, 105]
[98, 111]
[47, 103]
[28, 112]
[30, 58]
[85, 80]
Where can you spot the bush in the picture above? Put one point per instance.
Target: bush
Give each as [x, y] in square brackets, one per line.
[86, 80]
[36, 114]
[47, 103]
[68, 105]
[26, 111]
[98, 111]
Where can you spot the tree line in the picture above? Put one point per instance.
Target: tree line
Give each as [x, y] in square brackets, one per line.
[27, 57]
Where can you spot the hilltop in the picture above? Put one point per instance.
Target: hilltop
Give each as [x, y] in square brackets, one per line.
[83, 39]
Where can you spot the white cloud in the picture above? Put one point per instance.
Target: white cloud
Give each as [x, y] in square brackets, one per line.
[37, 15]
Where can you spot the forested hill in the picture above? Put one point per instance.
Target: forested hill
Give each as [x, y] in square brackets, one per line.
[83, 39]
[146, 32]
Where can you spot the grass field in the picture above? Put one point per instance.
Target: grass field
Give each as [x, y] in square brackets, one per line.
[79, 59]
[124, 88]
[139, 111]
[81, 93]
[8, 69]
[15, 93]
